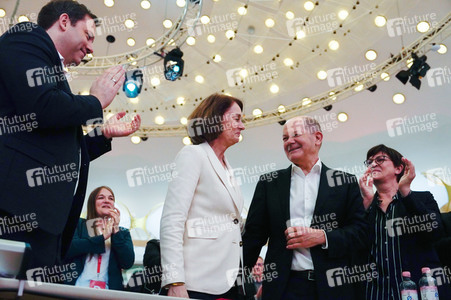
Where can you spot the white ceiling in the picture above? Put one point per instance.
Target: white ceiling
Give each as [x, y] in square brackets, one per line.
[356, 34]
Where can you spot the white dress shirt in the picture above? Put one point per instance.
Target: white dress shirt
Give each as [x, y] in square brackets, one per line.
[303, 194]
[90, 270]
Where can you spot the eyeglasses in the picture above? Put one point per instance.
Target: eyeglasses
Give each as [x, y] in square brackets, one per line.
[379, 160]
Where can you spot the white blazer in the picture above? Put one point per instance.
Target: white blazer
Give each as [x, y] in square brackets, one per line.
[201, 224]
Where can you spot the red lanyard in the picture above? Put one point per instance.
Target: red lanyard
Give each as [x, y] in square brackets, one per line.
[99, 262]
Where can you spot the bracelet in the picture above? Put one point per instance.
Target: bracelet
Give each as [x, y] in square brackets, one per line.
[176, 284]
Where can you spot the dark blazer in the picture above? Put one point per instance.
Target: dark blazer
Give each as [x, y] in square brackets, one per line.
[417, 249]
[122, 255]
[267, 219]
[443, 246]
[58, 139]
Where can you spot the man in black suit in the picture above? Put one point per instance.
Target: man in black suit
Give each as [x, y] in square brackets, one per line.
[403, 224]
[44, 155]
[443, 246]
[312, 218]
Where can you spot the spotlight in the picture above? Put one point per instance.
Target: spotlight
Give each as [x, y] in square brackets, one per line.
[403, 76]
[328, 107]
[133, 83]
[110, 39]
[372, 88]
[282, 122]
[173, 64]
[417, 71]
[435, 47]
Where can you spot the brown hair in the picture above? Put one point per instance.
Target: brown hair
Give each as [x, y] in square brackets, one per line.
[92, 213]
[51, 12]
[204, 123]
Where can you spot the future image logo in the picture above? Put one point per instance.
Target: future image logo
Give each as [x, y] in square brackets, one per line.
[337, 178]
[438, 76]
[408, 25]
[251, 74]
[349, 74]
[147, 175]
[350, 275]
[411, 125]
[58, 173]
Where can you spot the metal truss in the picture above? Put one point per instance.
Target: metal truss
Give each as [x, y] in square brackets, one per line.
[145, 56]
[390, 66]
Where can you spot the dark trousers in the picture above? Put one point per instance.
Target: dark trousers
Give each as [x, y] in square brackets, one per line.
[45, 247]
[300, 288]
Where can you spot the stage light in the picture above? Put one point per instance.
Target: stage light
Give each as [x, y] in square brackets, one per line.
[372, 88]
[23, 18]
[443, 49]
[150, 42]
[403, 76]
[133, 83]
[109, 3]
[173, 64]
[327, 107]
[145, 4]
[270, 23]
[186, 140]
[306, 101]
[417, 70]
[281, 109]
[342, 117]
[211, 38]
[205, 19]
[289, 15]
[309, 6]
[257, 112]
[343, 14]
[321, 75]
[380, 21]
[385, 76]
[399, 98]
[135, 139]
[288, 62]
[181, 101]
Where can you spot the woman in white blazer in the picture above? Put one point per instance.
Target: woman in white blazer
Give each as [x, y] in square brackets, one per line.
[200, 231]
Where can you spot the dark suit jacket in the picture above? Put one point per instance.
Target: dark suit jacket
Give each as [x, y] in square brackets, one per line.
[443, 246]
[417, 248]
[338, 194]
[122, 255]
[56, 141]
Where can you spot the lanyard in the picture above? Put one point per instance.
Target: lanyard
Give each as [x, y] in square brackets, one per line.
[99, 262]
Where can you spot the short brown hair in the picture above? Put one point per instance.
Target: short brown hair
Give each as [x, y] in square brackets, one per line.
[51, 12]
[92, 212]
[209, 114]
[394, 156]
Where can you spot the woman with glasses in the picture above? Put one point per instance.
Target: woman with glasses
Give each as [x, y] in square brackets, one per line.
[403, 224]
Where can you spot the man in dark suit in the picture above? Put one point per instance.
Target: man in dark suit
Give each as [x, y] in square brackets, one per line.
[44, 155]
[313, 218]
[443, 246]
[403, 224]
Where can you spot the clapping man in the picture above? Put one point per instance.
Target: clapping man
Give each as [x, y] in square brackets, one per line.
[44, 169]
